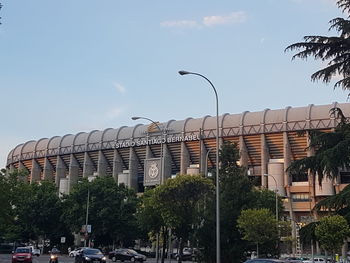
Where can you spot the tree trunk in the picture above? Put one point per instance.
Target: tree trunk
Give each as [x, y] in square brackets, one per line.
[180, 251]
[164, 232]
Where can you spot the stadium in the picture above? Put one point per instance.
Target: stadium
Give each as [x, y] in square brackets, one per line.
[268, 141]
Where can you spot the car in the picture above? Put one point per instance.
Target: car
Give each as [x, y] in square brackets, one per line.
[266, 260]
[22, 255]
[74, 252]
[316, 260]
[34, 251]
[90, 255]
[126, 254]
[186, 256]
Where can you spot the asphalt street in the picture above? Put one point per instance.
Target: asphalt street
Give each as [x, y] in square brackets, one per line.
[6, 258]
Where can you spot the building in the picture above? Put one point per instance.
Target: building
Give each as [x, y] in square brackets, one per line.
[268, 141]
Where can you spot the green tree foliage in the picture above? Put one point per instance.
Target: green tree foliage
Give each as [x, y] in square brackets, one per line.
[331, 233]
[258, 226]
[149, 218]
[332, 49]
[112, 209]
[307, 233]
[38, 213]
[179, 201]
[331, 151]
[236, 193]
[339, 203]
[30, 210]
[6, 216]
[0, 10]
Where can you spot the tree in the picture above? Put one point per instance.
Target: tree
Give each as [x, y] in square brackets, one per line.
[331, 151]
[338, 203]
[334, 49]
[112, 209]
[331, 233]
[179, 201]
[258, 226]
[0, 9]
[236, 194]
[150, 221]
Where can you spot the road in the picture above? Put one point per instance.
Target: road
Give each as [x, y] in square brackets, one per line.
[6, 258]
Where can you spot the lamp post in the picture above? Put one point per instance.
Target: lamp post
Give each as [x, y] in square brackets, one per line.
[87, 217]
[276, 190]
[161, 166]
[182, 72]
[161, 144]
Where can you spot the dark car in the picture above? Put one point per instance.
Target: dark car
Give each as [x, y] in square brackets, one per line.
[186, 256]
[123, 254]
[90, 255]
[22, 254]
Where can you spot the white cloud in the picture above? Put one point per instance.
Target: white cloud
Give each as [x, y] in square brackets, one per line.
[180, 24]
[207, 21]
[113, 113]
[120, 88]
[232, 18]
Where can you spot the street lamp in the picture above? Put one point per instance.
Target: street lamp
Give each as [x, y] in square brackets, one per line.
[86, 214]
[161, 144]
[267, 175]
[161, 166]
[182, 72]
[87, 217]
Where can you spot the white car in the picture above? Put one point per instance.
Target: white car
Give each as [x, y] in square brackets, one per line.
[74, 252]
[34, 251]
[316, 260]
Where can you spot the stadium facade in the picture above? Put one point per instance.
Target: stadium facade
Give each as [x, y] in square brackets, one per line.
[268, 142]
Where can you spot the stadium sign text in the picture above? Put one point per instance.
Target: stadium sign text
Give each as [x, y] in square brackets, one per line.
[158, 140]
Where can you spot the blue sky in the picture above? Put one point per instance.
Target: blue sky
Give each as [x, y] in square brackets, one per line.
[77, 65]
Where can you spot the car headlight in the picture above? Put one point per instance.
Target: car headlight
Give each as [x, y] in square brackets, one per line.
[13, 256]
[29, 256]
[87, 258]
[104, 258]
[53, 256]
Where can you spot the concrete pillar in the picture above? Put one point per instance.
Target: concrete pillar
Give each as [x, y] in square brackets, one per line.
[203, 158]
[117, 165]
[88, 166]
[48, 170]
[149, 153]
[265, 157]
[287, 157]
[73, 172]
[133, 169]
[60, 170]
[243, 151]
[102, 164]
[310, 151]
[167, 162]
[185, 158]
[35, 173]
[64, 187]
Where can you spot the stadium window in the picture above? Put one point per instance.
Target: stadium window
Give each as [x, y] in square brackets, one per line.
[302, 197]
[344, 177]
[300, 177]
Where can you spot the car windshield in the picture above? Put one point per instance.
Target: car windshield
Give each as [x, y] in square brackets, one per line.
[131, 251]
[92, 252]
[22, 250]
